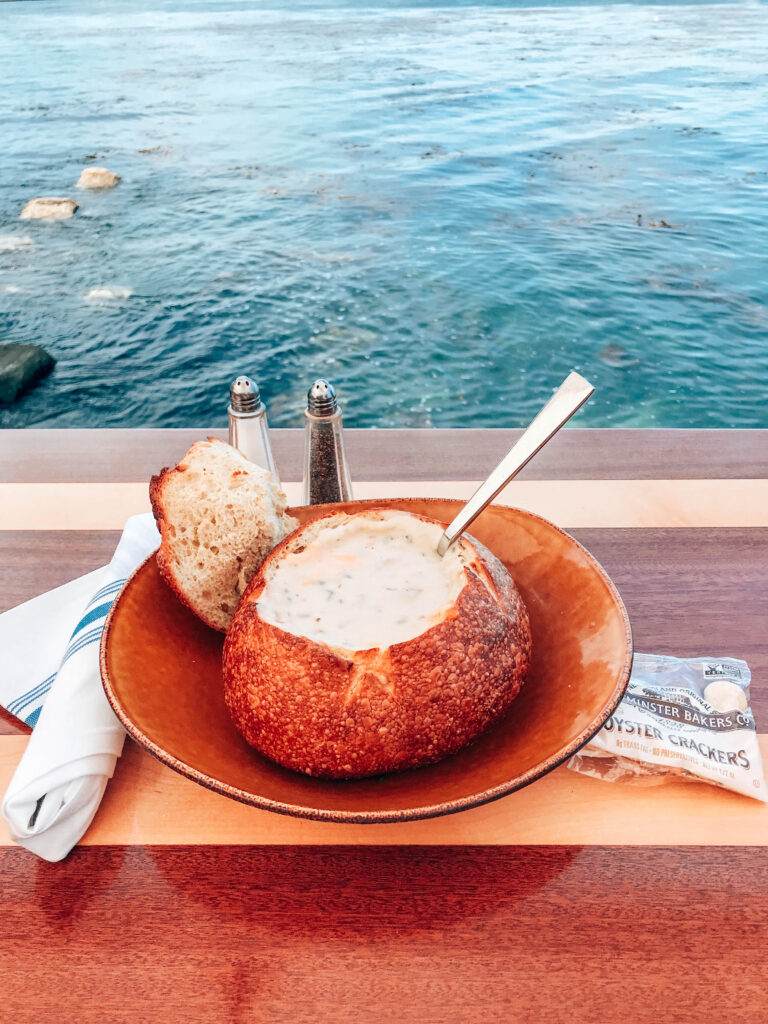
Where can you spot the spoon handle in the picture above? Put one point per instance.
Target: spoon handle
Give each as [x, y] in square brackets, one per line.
[569, 397]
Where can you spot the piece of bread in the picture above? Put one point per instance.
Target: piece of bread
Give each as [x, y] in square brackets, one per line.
[356, 650]
[219, 516]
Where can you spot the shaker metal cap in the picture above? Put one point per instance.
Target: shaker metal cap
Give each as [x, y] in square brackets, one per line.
[244, 395]
[321, 398]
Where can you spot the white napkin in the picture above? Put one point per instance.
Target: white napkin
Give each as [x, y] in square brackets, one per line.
[50, 679]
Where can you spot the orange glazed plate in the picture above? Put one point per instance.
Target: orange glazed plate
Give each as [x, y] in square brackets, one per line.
[161, 669]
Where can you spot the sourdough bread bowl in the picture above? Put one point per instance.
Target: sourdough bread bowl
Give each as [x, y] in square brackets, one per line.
[356, 650]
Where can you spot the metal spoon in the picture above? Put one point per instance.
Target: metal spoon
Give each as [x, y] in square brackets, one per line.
[569, 397]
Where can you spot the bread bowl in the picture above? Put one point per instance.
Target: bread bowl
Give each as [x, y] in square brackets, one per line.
[356, 650]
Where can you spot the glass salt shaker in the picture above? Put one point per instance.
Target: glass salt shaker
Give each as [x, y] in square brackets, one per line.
[326, 476]
[248, 427]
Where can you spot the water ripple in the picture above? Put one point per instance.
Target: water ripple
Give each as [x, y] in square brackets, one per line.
[444, 208]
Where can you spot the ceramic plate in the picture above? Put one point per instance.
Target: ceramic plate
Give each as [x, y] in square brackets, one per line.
[161, 669]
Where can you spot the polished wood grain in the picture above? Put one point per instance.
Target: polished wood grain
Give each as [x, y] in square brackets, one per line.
[34, 562]
[361, 936]
[575, 454]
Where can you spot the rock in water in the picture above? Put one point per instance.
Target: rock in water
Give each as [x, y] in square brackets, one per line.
[617, 357]
[107, 293]
[10, 243]
[49, 208]
[20, 367]
[97, 177]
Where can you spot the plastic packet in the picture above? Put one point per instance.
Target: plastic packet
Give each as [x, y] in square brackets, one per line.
[687, 717]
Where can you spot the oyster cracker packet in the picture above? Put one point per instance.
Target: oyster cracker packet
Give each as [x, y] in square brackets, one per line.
[687, 717]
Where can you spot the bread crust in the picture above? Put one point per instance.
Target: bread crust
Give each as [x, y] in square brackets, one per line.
[161, 488]
[334, 713]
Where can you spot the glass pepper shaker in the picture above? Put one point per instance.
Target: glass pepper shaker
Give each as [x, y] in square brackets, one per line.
[326, 476]
[248, 427]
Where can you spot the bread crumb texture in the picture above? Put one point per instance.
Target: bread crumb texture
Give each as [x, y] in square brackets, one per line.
[219, 516]
[330, 712]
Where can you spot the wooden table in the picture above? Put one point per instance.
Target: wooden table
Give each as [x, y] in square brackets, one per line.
[573, 900]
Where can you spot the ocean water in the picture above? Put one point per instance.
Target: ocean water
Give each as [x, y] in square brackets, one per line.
[443, 208]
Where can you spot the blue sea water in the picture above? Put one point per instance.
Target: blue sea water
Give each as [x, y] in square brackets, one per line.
[443, 208]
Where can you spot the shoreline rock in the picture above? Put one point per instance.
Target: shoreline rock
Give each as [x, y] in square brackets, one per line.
[21, 366]
[97, 177]
[49, 208]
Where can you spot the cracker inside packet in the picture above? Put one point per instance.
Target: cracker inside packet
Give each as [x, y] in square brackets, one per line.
[685, 717]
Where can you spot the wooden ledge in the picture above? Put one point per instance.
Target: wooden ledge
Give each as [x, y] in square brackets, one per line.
[572, 504]
[147, 804]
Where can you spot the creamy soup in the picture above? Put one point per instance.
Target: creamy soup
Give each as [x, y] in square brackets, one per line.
[365, 583]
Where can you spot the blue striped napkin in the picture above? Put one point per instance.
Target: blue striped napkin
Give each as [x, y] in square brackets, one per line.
[50, 679]
[29, 704]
